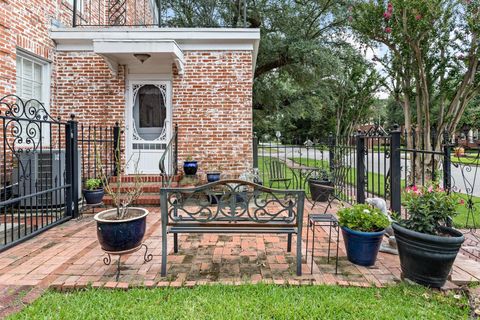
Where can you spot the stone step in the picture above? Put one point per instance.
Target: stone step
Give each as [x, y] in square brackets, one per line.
[147, 187]
[145, 178]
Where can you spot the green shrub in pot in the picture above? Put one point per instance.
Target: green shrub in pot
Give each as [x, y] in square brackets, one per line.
[363, 227]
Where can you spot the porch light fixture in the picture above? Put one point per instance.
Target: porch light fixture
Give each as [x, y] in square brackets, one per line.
[142, 57]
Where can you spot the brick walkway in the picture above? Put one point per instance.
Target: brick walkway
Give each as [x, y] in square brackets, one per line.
[69, 256]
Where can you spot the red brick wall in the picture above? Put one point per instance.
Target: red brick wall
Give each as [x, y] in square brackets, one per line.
[85, 86]
[212, 105]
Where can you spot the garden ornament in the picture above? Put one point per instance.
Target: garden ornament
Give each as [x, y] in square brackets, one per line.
[391, 245]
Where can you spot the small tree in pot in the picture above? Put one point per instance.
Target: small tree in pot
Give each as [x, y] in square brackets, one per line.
[427, 247]
[363, 227]
[123, 227]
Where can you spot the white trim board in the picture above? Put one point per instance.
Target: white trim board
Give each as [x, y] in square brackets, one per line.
[213, 39]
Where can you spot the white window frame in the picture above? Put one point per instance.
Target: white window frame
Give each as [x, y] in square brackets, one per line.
[80, 5]
[45, 82]
[46, 77]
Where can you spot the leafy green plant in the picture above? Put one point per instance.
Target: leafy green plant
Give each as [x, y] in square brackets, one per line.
[93, 184]
[363, 217]
[429, 208]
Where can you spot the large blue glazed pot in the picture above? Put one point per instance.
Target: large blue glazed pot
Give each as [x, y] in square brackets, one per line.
[121, 235]
[427, 259]
[93, 196]
[362, 247]
[190, 168]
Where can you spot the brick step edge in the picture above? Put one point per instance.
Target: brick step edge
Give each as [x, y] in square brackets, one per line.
[145, 199]
[146, 178]
[145, 188]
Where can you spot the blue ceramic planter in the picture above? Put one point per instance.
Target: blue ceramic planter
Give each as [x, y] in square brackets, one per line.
[213, 176]
[93, 196]
[362, 247]
[121, 235]
[190, 168]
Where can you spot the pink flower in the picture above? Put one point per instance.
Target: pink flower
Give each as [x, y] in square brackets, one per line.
[418, 17]
[461, 201]
[414, 188]
[350, 8]
[430, 189]
[388, 30]
[350, 18]
[387, 15]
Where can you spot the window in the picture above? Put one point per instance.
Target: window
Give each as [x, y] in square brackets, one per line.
[33, 78]
[79, 5]
[33, 82]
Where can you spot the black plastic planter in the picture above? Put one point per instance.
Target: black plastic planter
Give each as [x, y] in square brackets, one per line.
[318, 192]
[427, 259]
[362, 247]
[121, 235]
[93, 196]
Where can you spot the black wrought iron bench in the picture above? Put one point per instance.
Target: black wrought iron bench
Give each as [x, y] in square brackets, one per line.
[231, 206]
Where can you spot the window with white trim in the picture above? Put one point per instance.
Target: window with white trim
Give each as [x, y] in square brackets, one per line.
[33, 78]
[33, 82]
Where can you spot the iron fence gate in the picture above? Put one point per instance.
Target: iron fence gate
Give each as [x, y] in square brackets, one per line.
[39, 170]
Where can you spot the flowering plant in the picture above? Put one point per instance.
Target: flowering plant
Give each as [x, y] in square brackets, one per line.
[363, 217]
[429, 208]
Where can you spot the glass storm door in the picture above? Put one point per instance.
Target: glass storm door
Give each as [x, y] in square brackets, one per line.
[148, 126]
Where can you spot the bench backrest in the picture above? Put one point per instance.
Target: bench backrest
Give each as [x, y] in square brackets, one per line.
[230, 202]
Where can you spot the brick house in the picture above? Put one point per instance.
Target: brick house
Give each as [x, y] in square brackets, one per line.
[109, 62]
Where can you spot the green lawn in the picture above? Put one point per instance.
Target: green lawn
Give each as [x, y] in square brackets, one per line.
[250, 302]
[474, 160]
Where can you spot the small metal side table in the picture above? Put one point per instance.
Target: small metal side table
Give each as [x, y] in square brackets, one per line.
[323, 220]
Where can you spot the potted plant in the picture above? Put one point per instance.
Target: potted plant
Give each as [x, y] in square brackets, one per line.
[190, 166]
[123, 227]
[320, 186]
[213, 174]
[426, 246]
[93, 191]
[363, 227]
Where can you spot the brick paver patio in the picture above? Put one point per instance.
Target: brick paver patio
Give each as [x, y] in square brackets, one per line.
[68, 256]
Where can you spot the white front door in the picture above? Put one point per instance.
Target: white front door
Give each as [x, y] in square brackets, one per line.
[148, 124]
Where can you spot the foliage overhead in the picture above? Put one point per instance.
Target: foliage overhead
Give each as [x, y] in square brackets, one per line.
[432, 56]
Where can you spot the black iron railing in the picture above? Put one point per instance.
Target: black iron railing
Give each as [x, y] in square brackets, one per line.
[168, 163]
[375, 163]
[158, 13]
[39, 184]
[97, 145]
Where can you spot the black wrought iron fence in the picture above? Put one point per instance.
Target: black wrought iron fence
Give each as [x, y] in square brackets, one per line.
[377, 163]
[39, 166]
[97, 145]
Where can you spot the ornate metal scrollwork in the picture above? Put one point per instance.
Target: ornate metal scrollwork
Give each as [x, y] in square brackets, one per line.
[232, 202]
[470, 179]
[25, 122]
